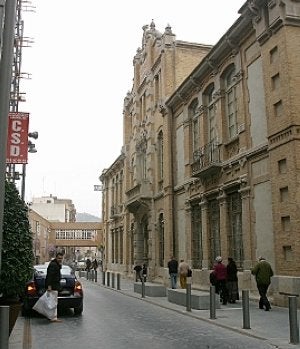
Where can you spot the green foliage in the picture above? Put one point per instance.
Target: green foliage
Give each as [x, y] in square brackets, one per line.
[17, 252]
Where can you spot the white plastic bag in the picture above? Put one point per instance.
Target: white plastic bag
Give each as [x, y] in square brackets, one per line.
[47, 305]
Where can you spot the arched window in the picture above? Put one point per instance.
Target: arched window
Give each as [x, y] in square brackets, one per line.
[161, 239]
[211, 115]
[230, 100]
[194, 117]
[160, 157]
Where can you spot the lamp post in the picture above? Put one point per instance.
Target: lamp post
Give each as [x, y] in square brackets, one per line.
[7, 40]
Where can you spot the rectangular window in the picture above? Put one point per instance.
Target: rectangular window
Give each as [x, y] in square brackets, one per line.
[286, 223]
[275, 82]
[231, 106]
[288, 253]
[274, 55]
[157, 88]
[196, 134]
[284, 194]
[235, 232]
[282, 166]
[278, 109]
[212, 123]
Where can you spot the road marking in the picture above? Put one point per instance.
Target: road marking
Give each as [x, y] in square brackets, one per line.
[27, 340]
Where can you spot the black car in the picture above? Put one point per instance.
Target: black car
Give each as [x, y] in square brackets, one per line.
[69, 296]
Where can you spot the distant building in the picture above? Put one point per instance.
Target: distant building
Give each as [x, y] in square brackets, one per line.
[54, 209]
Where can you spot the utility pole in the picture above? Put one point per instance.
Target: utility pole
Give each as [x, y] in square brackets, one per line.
[8, 8]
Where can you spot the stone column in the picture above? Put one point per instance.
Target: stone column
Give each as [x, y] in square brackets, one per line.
[223, 224]
[205, 233]
[188, 232]
[246, 226]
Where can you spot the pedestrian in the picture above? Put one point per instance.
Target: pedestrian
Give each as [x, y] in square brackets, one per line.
[95, 264]
[138, 270]
[263, 273]
[88, 265]
[232, 281]
[173, 271]
[220, 273]
[52, 281]
[144, 272]
[183, 272]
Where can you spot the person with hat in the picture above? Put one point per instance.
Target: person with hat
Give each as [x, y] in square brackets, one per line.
[263, 273]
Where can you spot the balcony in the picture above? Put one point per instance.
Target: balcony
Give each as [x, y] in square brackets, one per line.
[116, 211]
[207, 161]
[138, 196]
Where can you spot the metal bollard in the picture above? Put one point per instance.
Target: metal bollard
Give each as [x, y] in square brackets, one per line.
[108, 279]
[4, 326]
[212, 302]
[246, 312]
[80, 273]
[118, 281]
[294, 325]
[103, 278]
[143, 288]
[113, 280]
[188, 297]
[95, 276]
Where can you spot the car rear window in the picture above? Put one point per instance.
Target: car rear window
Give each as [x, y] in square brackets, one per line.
[42, 271]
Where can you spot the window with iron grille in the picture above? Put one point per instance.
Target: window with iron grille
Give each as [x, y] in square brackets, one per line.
[160, 156]
[121, 245]
[214, 229]
[132, 243]
[235, 236]
[117, 235]
[196, 235]
[161, 238]
[112, 246]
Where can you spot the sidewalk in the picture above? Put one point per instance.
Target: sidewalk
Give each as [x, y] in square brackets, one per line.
[272, 326]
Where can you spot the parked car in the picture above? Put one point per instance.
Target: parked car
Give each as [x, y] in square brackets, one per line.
[70, 295]
[81, 265]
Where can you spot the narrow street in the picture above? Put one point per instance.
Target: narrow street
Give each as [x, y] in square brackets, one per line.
[112, 320]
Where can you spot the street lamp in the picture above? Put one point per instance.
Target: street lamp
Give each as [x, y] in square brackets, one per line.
[31, 149]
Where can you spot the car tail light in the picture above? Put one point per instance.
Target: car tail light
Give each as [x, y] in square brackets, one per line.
[78, 287]
[31, 289]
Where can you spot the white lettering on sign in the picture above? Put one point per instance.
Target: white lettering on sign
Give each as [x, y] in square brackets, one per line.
[14, 150]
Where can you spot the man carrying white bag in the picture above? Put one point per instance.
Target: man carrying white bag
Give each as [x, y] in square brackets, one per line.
[47, 305]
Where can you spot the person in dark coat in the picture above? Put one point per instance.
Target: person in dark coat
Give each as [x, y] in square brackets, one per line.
[52, 282]
[144, 272]
[95, 264]
[263, 273]
[232, 281]
[88, 265]
[173, 271]
[138, 275]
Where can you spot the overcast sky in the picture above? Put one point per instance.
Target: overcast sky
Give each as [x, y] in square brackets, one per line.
[81, 69]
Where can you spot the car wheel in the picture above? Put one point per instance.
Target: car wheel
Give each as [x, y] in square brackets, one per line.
[78, 310]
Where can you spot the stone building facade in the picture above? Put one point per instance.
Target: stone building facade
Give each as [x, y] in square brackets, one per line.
[211, 161]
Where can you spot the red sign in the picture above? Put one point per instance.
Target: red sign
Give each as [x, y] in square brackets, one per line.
[17, 138]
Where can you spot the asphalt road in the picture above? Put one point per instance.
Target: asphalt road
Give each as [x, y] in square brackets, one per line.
[112, 320]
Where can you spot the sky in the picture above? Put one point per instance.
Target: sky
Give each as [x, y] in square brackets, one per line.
[81, 67]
